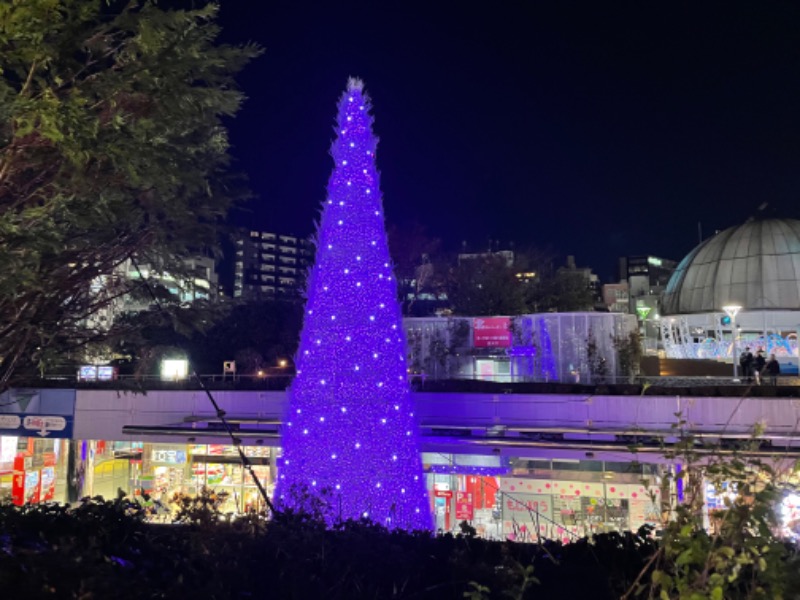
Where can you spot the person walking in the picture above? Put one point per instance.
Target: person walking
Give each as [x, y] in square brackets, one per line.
[746, 363]
[758, 365]
[773, 369]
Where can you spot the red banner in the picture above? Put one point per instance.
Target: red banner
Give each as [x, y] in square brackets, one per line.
[491, 332]
[464, 506]
[18, 482]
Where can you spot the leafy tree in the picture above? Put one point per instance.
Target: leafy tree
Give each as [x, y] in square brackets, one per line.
[112, 147]
[255, 334]
[409, 245]
[572, 292]
[739, 556]
[419, 264]
[598, 367]
[486, 285]
[560, 291]
[629, 354]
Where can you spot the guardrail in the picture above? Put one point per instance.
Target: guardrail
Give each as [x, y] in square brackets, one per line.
[788, 385]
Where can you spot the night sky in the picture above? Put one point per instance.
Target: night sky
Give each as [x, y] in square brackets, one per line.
[600, 129]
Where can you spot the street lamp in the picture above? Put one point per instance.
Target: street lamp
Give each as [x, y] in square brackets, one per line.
[732, 310]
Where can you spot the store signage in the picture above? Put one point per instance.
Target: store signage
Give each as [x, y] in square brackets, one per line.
[172, 457]
[10, 421]
[97, 373]
[21, 424]
[464, 506]
[491, 332]
[44, 425]
[443, 494]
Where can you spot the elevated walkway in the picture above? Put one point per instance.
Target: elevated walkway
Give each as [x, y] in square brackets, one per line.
[514, 424]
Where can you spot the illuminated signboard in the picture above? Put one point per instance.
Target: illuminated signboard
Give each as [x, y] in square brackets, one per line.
[491, 332]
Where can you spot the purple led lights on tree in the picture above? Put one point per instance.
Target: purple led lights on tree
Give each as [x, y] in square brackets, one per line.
[349, 431]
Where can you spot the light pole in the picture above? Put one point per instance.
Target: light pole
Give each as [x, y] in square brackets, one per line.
[732, 310]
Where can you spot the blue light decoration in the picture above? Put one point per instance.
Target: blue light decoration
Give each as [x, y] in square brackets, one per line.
[350, 432]
[547, 367]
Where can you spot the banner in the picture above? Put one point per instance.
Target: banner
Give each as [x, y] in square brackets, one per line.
[464, 506]
[491, 332]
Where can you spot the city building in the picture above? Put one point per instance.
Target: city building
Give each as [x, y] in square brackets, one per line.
[647, 277]
[616, 297]
[506, 255]
[270, 265]
[199, 281]
[515, 465]
[737, 289]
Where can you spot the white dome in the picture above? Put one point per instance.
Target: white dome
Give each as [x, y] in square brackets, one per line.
[755, 265]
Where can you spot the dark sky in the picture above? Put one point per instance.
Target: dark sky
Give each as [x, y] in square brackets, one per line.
[600, 129]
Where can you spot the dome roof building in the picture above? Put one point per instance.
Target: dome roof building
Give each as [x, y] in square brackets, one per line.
[755, 266]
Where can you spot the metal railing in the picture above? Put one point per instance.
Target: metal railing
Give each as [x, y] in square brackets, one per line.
[788, 385]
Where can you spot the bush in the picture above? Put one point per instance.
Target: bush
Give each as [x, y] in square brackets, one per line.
[100, 549]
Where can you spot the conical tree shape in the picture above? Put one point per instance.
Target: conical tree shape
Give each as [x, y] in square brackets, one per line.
[350, 431]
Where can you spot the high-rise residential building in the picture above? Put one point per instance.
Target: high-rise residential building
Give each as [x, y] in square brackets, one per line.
[270, 265]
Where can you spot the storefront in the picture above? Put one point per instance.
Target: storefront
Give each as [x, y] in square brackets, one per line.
[32, 470]
[164, 472]
[555, 499]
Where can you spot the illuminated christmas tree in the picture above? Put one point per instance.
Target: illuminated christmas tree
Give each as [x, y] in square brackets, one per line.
[349, 430]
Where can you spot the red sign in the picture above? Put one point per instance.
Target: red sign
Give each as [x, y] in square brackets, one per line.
[443, 494]
[491, 332]
[18, 483]
[464, 506]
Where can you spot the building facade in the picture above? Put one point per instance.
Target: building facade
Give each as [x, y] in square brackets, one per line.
[516, 466]
[270, 265]
[616, 297]
[754, 267]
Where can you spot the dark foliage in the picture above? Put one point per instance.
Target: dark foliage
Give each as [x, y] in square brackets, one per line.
[107, 550]
[257, 335]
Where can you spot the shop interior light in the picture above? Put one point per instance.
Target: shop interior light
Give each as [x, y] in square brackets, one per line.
[174, 369]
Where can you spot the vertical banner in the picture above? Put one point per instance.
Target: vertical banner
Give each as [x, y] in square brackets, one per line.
[464, 506]
[48, 478]
[18, 483]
